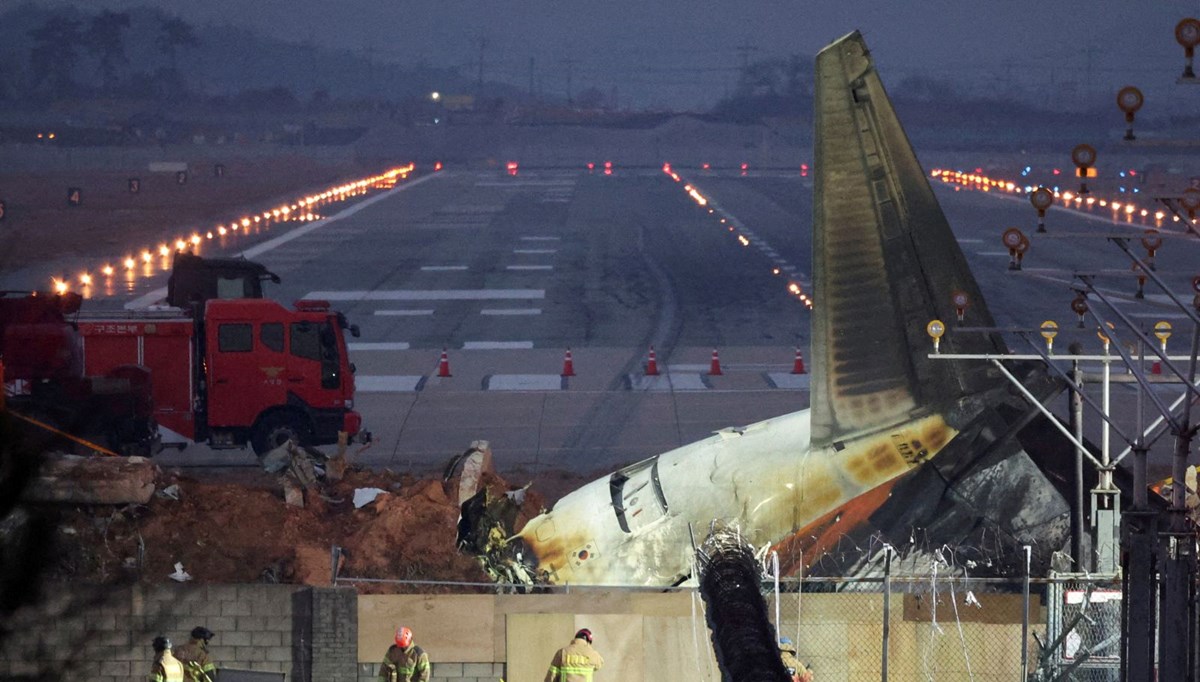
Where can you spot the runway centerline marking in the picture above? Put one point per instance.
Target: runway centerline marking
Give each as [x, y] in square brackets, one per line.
[497, 345]
[443, 268]
[524, 382]
[541, 239]
[372, 346]
[532, 251]
[529, 267]
[428, 295]
[389, 383]
[403, 313]
[511, 311]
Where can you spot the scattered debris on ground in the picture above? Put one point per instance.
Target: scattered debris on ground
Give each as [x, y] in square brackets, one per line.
[237, 527]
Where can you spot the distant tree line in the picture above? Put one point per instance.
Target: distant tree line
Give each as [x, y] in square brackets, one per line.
[69, 57]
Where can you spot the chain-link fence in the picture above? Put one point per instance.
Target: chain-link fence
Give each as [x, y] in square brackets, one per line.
[932, 627]
[940, 624]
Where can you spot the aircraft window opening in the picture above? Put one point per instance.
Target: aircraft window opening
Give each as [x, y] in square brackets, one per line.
[616, 487]
[624, 501]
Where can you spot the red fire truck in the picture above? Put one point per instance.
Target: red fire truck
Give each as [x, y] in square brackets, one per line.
[227, 372]
[247, 371]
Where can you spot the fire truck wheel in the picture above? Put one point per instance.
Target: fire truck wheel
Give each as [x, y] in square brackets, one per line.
[277, 428]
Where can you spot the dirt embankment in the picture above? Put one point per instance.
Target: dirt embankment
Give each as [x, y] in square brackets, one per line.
[237, 528]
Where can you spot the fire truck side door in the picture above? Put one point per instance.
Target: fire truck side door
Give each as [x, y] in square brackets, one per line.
[245, 371]
[314, 370]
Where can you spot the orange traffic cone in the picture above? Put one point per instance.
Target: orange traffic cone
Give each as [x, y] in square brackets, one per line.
[714, 367]
[568, 365]
[798, 365]
[652, 364]
[444, 365]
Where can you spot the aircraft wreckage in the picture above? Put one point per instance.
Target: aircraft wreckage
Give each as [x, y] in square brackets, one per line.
[896, 449]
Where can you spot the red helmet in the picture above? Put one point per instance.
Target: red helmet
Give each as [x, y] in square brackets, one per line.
[403, 637]
[584, 634]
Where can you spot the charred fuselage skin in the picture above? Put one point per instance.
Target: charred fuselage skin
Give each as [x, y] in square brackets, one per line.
[633, 527]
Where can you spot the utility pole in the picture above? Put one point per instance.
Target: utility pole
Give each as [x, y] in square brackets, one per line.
[744, 51]
[570, 63]
[482, 42]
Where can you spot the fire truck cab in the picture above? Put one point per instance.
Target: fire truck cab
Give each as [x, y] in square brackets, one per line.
[248, 371]
[274, 374]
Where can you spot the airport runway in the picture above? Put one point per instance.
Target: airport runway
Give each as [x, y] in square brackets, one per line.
[507, 272]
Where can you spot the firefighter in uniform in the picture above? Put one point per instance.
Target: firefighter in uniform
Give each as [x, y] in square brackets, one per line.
[404, 661]
[576, 661]
[798, 671]
[166, 667]
[194, 656]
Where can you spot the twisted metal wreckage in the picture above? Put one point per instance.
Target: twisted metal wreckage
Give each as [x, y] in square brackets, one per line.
[897, 449]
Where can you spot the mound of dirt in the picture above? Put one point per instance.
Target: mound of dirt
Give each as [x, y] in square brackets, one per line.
[237, 528]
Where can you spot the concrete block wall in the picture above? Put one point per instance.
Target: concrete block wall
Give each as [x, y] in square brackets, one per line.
[106, 634]
[443, 672]
[334, 622]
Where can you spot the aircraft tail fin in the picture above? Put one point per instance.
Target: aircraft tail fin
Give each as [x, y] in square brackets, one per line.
[885, 263]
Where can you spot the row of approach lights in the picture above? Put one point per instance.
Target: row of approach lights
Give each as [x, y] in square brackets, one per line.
[301, 208]
[936, 329]
[1049, 329]
[793, 286]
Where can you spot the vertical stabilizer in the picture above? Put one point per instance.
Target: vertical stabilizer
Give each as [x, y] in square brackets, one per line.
[885, 263]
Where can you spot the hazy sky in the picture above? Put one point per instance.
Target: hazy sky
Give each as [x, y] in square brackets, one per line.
[686, 52]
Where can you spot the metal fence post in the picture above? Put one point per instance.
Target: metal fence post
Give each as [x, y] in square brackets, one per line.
[1025, 616]
[887, 606]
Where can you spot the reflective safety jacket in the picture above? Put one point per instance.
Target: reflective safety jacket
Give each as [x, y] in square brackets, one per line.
[167, 668]
[405, 665]
[197, 666]
[574, 663]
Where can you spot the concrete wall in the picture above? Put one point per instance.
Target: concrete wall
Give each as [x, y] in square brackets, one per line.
[336, 635]
[657, 636]
[296, 631]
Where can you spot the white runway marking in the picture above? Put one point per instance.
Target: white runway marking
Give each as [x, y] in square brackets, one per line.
[530, 251]
[529, 267]
[397, 345]
[667, 382]
[428, 295]
[541, 239]
[443, 268]
[403, 313]
[511, 311]
[992, 253]
[965, 240]
[497, 345]
[389, 384]
[151, 297]
[524, 382]
[795, 382]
